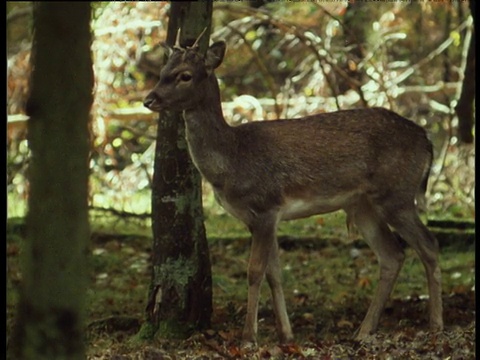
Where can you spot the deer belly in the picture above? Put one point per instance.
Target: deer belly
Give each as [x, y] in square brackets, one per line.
[240, 213]
[296, 208]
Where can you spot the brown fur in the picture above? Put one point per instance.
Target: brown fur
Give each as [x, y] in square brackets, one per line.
[371, 163]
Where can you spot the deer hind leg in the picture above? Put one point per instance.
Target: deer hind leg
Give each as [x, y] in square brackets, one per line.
[390, 257]
[409, 226]
[262, 252]
[273, 273]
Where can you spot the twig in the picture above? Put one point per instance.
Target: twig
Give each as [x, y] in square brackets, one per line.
[18, 13]
[443, 154]
[261, 65]
[134, 25]
[300, 32]
[120, 214]
[441, 48]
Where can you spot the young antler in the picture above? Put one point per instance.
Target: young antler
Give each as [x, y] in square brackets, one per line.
[177, 40]
[195, 44]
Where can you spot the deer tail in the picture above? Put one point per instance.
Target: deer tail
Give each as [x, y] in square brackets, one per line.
[420, 197]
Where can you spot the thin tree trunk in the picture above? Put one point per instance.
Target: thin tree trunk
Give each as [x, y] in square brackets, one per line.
[180, 298]
[50, 318]
[465, 109]
[355, 20]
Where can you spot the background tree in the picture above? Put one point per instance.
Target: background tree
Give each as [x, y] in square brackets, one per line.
[49, 322]
[465, 108]
[355, 18]
[180, 296]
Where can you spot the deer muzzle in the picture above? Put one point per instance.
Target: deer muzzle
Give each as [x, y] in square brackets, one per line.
[152, 102]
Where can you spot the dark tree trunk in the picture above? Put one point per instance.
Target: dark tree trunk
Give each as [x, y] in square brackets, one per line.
[180, 298]
[50, 318]
[465, 108]
[258, 3]
[355, 18]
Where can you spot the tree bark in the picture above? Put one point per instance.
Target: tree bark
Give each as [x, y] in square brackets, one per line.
[180, 297]
[50, 318]
[465, 108]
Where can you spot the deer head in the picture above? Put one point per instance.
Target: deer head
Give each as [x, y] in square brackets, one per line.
[185, 71]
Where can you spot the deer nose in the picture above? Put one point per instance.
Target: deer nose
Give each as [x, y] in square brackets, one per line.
[149, 101]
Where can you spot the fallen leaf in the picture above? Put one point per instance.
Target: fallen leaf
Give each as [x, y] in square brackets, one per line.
[364, 282]
[345, 323]
[291, 349]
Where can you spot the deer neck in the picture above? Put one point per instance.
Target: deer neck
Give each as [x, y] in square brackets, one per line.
[207, 116]
[210, 139]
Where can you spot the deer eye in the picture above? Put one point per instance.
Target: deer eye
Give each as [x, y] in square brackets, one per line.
[185, 76]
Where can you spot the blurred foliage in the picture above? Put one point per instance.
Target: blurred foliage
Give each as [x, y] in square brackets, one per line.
[283, 60]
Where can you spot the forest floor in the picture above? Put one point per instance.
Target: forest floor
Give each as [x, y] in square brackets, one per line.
[328, 283]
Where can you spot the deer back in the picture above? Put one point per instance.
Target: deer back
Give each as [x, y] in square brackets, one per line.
[326, 160]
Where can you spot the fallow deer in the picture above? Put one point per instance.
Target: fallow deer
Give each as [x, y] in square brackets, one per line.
[372, 163]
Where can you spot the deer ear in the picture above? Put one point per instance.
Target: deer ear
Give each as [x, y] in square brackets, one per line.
[214, 56]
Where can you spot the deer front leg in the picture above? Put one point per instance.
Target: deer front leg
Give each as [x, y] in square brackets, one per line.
[263, 241]
[274, 281]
